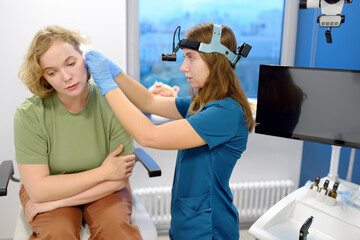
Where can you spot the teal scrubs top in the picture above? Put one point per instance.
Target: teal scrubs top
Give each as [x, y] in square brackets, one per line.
[201, 205]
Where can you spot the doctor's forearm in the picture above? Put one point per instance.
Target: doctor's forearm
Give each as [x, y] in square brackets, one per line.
[168, 136]
[134, 121]
[134, 91]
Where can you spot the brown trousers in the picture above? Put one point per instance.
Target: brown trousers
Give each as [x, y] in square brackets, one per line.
[108, 218]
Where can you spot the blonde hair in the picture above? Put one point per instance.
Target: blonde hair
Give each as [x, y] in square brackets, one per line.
[30, 72]
[222, 81]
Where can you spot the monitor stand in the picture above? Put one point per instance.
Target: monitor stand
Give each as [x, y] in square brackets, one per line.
[334, 163]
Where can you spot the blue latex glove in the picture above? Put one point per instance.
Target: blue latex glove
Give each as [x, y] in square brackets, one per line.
[102, 70]
[114, 69]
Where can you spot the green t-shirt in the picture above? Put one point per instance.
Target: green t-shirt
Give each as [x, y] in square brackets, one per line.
[45, 132]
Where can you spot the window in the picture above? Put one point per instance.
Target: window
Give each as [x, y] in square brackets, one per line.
[258, 23]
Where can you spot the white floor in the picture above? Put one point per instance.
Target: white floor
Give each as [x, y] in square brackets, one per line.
[244, 235]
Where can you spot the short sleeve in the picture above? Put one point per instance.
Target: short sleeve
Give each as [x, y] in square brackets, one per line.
[30, 142]
[183, 104]
[217, 122]
[119, 135]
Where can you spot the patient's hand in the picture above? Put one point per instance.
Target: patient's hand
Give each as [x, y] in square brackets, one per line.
[118, 167]
[32, 209]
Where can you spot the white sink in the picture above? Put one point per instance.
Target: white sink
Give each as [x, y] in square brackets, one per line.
[284, 220]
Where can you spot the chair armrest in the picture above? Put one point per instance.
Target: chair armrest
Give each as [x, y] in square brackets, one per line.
[149, 163]
[6, 173]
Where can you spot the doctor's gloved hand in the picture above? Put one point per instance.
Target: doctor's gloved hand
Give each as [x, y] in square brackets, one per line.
[102, 70]
[114, 69]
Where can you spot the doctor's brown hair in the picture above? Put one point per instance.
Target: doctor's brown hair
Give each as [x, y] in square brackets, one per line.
[222, 81]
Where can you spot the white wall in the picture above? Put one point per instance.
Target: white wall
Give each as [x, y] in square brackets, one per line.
[104, 22]
[266, 158]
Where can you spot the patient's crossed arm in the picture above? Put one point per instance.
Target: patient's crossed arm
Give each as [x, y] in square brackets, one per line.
[7, 169]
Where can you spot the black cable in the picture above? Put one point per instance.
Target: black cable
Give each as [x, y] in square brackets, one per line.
[174, 37]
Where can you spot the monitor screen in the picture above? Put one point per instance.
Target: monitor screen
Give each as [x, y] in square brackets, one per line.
[311, 104]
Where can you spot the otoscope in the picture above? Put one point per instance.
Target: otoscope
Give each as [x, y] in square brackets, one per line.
[304, 230]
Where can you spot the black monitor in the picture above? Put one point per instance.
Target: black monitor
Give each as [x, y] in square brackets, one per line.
[311, 104]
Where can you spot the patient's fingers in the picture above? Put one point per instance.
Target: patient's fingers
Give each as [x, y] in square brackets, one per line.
[117, 151]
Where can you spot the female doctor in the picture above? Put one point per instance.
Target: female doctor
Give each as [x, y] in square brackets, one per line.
[210, 129]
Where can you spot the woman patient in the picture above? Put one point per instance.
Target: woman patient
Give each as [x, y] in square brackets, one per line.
[73, 155]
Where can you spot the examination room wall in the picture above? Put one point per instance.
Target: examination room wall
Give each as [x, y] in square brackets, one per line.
[267, 158]
[103, 21]
[343, 53]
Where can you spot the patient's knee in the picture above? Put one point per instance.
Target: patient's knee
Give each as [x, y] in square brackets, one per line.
[62, 223]
[116, 228]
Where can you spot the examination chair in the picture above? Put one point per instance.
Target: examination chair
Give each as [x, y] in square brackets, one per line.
[139, 216]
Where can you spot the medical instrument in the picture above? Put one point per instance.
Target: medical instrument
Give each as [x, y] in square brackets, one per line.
[304, 230]
[331, 13]
[315, 186]
[333, 192]
[324, 189]
[214, 46]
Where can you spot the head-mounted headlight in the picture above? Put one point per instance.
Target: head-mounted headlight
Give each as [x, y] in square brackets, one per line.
[214, 46]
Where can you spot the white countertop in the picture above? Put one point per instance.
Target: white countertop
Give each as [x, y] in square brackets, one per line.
[284, 220]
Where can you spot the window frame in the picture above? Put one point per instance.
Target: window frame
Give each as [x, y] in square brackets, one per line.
[288, 39]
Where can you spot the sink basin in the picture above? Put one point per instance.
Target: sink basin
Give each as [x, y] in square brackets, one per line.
[284, 220]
